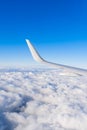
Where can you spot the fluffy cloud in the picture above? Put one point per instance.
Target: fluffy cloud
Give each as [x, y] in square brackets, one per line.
[43, 99]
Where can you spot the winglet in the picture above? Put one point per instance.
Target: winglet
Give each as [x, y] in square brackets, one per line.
[34, 52]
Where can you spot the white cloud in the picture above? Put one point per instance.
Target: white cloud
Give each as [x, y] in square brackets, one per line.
[43, 99]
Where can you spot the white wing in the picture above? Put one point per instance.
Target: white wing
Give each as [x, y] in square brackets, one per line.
[39, 59]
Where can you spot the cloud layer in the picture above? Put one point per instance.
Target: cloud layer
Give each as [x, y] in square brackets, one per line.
[43, 99]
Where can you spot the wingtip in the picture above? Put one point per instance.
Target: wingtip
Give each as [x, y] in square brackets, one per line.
[27, 40]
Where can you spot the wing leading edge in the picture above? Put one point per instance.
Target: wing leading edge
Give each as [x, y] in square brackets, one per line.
[39, 59]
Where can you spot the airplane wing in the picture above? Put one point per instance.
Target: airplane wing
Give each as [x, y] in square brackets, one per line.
[39, 59]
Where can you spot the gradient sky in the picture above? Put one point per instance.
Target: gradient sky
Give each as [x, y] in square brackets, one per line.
[57, 28]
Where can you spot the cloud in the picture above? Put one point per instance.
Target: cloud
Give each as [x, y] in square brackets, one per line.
[42, 99]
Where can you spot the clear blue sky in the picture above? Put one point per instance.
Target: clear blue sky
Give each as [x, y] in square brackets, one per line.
[57, 28]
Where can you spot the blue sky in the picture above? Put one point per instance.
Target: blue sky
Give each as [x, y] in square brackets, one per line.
[57, 28]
